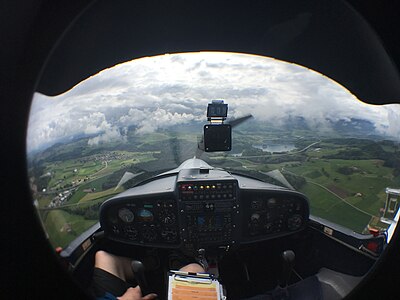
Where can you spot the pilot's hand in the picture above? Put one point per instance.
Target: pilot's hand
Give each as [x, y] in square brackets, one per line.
[136, 294]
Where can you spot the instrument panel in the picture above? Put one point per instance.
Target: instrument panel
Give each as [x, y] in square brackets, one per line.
[209, 212]
[203, 211]
[144, 221]
[272, 214]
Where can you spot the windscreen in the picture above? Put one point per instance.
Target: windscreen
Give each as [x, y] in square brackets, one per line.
[138, 119]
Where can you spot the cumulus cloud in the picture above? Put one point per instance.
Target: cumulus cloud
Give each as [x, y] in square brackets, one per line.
[149, 120]
[392, 128]
[112, 134]
[157, 92]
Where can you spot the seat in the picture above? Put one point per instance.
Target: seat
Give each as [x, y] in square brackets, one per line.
[336, 285]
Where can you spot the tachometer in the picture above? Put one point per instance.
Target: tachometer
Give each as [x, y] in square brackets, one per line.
[126, 215]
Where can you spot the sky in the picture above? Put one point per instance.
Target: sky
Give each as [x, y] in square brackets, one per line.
[174, 89]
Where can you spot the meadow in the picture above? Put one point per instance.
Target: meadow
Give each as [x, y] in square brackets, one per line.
[349, 192]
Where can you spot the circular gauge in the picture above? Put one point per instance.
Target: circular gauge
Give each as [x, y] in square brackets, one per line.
[126, 215]
[145, 215]
[255, 218]
[254, 224]
[131, 232]
[268, 226]
[271, 202]
[149, 234]
[169, 235]
[294, 222]
[167, 217]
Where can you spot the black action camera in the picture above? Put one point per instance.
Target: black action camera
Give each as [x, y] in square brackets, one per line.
[217, 135]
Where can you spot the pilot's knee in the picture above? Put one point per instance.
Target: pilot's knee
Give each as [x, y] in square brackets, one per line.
[193, 268]
[102, 256]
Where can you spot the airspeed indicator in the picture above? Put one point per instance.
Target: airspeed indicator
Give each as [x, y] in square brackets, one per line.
[126, 215]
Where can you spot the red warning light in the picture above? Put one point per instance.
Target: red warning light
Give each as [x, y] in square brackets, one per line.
[373, 246]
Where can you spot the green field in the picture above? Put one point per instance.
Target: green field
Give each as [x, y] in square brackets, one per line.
[44, 201]
[369, 180]
[63, 227]
[325, 205]
[88, 191]
[102, 194]
[70, 172]
[349, 192]
[63, 172]
[80, 193]
[364, 188]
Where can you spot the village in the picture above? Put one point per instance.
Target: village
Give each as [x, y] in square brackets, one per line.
[66, 186]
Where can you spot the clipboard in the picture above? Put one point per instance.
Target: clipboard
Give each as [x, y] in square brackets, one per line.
[193, 286]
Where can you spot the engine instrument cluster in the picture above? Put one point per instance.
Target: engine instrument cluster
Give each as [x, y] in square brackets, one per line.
[272, 214]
